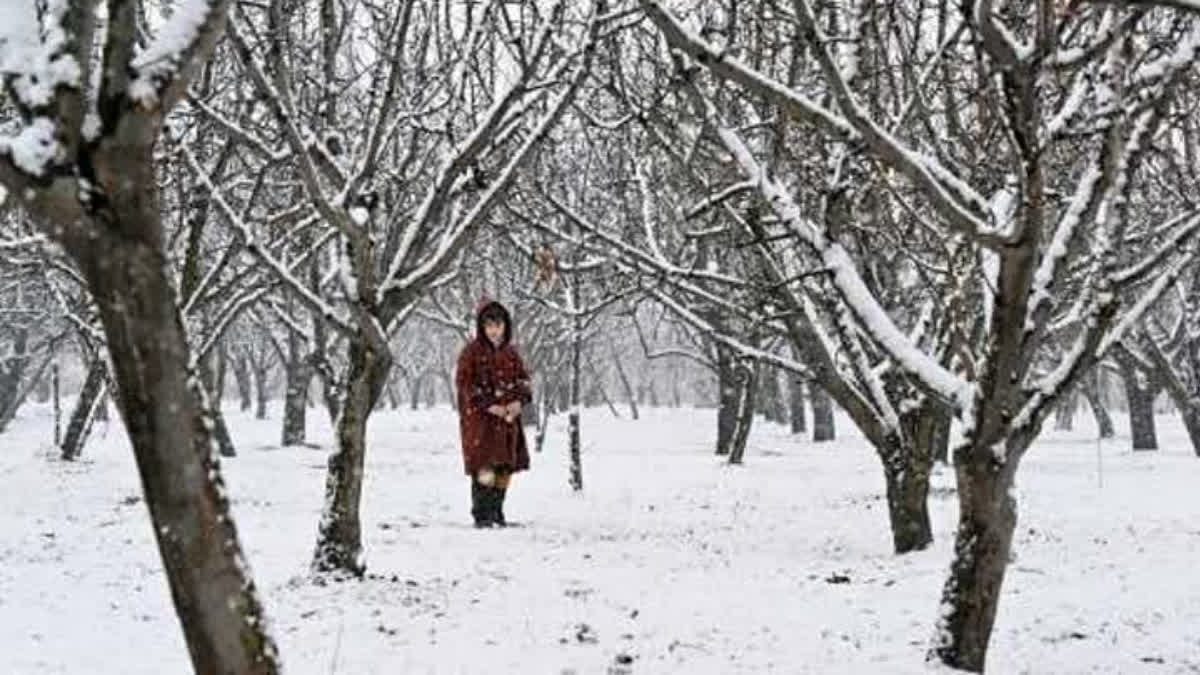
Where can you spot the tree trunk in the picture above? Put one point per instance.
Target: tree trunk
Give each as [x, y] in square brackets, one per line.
[11, 400]
[339, 537]
[543, 421]
[531, 414]
[748, 376]
[727, 400]
[941, 437]
[906, 472]
[626, 386]
[102, 406]
[56, 393]
[1064, 413]
[771, 396]
[1092, 394]
[212, 400]
[241, 377]
[295, 401]
[430, 391]
[796, 400]
[576, 476]
[85, 411]
[1139, 393]
[392, 396]
[12, 371]
[214, 597]
[262, 393]
[982, 544]
[448, 382]
[414, 392]
[823, 428]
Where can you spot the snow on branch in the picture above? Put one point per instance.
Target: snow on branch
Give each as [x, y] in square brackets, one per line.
[961, 206]
[1188, 227]
[954, 390]
[1185, 5]
[458, 235]
[999, 42]
[1148, 299]
[281, 272]
[475, 144]
[161, 70]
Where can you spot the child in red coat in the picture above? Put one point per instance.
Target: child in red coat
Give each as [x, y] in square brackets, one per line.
[493, 386]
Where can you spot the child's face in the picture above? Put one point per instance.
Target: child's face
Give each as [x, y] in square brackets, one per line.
[494, 330]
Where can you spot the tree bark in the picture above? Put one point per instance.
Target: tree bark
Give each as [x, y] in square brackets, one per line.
[295, 401]
[796, 401]
[771, 394]
[214, 597]
[747, 386]
[339, 537]
[982, 544]
[262, 392]
[1139, 393]
[212, 399]
[727, 400]
[1095, 400]
[241, 377]
[56, 393]
[823, 425]
[906, 467]
[573, 436]
[941, 437]
[84, 413]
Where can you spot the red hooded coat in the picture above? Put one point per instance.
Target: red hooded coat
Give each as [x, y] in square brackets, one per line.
[488, 375]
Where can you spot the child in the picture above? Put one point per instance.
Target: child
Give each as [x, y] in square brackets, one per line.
[492, 388]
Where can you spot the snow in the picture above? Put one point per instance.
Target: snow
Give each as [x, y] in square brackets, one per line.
[34, 53]
[161, 58]
[34, 146]
[669, 556]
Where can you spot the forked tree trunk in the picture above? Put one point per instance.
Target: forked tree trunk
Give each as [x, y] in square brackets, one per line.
[339, 537]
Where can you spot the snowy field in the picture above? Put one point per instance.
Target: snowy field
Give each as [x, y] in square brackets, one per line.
[669, 562]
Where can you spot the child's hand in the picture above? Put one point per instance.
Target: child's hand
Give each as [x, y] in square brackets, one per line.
[514, 408]
[498, 410]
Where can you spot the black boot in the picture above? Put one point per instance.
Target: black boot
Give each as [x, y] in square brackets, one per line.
[480, 504]
[498, 506]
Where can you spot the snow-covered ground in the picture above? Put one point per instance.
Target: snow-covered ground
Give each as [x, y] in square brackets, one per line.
[668, 560]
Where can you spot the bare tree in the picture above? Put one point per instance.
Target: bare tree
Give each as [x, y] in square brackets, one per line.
[1044, 241]
[81, 162]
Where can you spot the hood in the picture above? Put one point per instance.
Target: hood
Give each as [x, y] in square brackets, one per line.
[484, 306]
